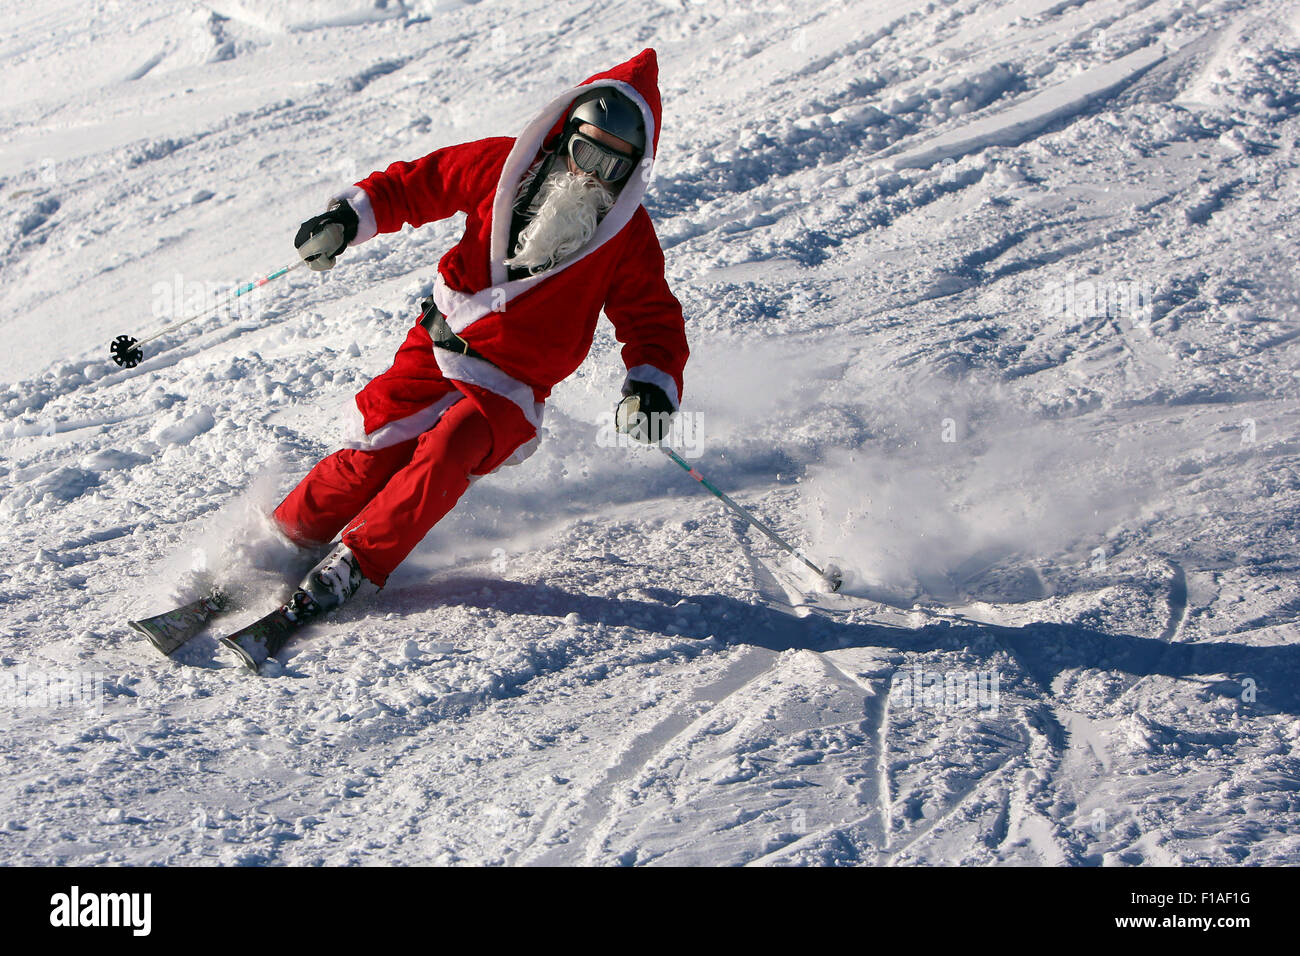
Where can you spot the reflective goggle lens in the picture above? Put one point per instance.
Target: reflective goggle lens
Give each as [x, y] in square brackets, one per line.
[593, 157]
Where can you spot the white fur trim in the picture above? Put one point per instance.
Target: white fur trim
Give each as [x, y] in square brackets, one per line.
[354, 427]
[474, 371]
[404, 429]
[655, 376]
[412, 426]
[522, 452]
[447, 299]
[356, 198]
[516, 457]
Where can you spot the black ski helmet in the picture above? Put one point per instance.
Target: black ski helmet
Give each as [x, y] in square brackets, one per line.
[608, 109]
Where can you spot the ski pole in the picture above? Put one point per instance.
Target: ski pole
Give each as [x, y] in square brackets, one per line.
[126, 351]
[831, 575]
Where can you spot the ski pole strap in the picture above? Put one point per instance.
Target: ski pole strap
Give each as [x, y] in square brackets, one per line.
[740, 510]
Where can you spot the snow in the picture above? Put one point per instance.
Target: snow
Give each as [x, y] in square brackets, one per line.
[991, 304]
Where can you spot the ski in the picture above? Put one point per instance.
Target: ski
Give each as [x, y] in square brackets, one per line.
[171, 629]
[258, 641]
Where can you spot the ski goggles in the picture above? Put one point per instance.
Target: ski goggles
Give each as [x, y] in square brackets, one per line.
[593, 156]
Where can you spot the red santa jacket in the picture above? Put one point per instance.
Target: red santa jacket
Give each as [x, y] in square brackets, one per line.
[535, 331]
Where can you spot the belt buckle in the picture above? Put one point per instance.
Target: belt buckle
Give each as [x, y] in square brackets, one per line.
[433, 321]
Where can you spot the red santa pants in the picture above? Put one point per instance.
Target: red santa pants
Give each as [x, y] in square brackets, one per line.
[388, 498]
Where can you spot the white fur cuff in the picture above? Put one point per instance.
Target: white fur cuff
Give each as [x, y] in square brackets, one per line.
[356, 198]
[648, 373]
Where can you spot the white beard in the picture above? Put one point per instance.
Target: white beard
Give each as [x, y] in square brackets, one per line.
[565, 213]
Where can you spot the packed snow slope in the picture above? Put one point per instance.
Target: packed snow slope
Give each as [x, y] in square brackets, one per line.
[993, 303]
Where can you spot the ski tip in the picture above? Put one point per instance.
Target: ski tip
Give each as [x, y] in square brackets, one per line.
[833, 577]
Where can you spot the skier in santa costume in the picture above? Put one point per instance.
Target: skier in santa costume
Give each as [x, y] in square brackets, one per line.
[555, 232]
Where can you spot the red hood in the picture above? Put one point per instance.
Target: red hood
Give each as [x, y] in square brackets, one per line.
[642, 74]
[638, 79]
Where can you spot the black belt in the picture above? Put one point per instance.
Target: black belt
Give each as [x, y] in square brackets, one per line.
[441, 333]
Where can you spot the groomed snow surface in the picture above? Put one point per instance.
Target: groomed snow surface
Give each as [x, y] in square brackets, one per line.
[993, 304]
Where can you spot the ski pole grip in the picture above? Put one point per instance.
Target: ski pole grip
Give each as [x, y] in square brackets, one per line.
[629, 418]
[319, 250]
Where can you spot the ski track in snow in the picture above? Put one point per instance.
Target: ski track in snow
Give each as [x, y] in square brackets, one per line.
[889, 226]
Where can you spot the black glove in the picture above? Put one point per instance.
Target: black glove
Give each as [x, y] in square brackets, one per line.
[645, 412]
[321, 238]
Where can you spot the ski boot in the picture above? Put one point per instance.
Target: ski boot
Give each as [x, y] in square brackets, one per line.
[327, 586]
